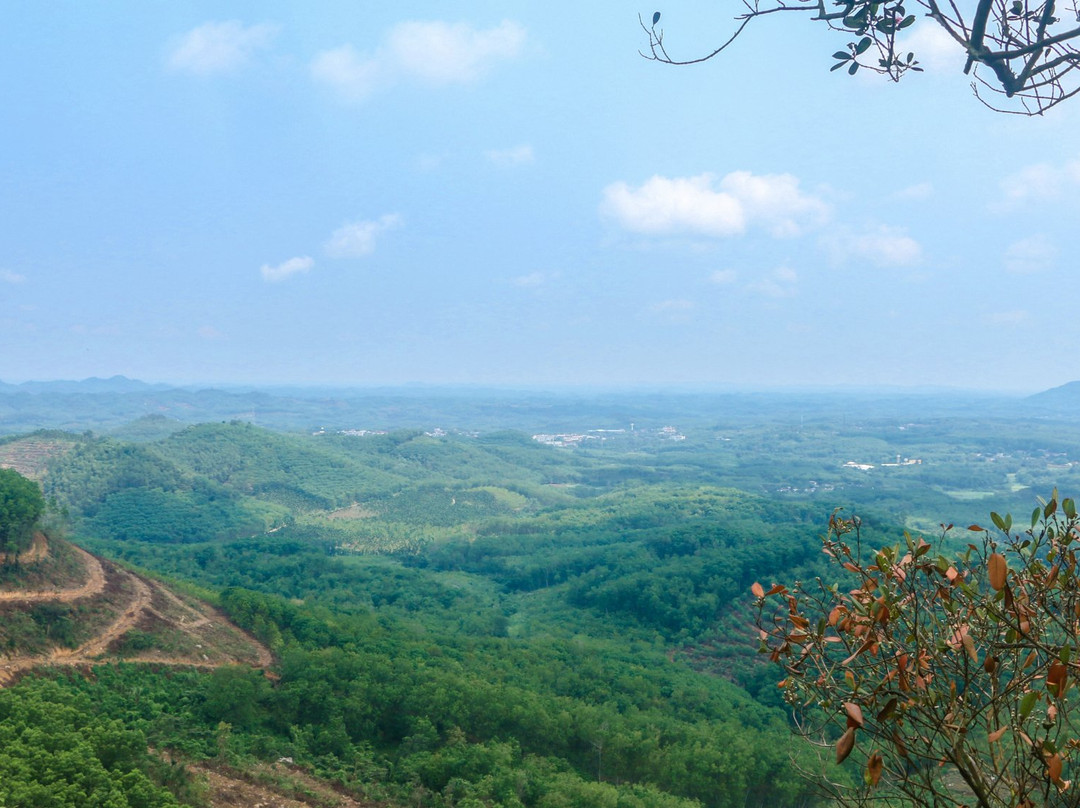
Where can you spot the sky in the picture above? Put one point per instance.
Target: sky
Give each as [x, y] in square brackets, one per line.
[507, 193]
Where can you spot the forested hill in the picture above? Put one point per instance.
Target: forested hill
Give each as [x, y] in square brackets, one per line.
[501, 618]
[456, 616]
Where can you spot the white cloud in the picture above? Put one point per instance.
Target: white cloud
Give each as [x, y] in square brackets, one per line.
[1029, 255]
[673, 312]
[724, 277]
[534, 279]
[217, 47]
[353, 76]
[672, 305]
[775, 201]
[783, 282]
[7, 276]
[287, 269]
[1015, 317]
[882, 246]
[96, 330]
[934, 49]
[1040, 181]
[428, 162]
[357, 239]
[444, 53]
[517, 155]
[701, 206]
[919, 191]
[432, 52]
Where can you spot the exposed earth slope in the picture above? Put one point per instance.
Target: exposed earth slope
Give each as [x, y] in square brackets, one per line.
[60, 605]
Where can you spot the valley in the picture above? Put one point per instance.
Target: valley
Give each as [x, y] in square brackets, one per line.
[443, 618]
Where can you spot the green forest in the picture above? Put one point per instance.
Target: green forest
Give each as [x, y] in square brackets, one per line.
[475, 618]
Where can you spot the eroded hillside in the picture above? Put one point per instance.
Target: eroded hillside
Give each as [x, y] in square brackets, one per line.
[60, 605]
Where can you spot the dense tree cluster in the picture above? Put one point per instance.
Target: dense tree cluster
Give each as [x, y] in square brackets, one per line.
[21, 505]
[57, 749]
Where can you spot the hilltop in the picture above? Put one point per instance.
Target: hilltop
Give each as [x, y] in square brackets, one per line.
[1065, 398]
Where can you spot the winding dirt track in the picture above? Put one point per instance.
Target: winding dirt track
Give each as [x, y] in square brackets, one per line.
[114, 631]
[89, 653]
[95, 584]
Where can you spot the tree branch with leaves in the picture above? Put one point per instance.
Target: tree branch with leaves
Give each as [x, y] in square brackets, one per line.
[946, 678]
[1022, 55]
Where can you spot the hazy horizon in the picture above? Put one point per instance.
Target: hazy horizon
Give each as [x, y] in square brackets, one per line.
[539, 388]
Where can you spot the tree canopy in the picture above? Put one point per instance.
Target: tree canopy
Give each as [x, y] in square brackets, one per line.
[21, 505]
[1021, 54]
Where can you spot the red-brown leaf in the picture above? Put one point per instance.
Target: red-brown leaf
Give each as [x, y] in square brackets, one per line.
[969, 646]
[873, 768]
[997, 568]
[1056, 679]
[845, 745]
[757, 589]
[1053, 768]
[854, 714]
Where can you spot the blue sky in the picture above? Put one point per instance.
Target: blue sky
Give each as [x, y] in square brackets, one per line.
[507, 193]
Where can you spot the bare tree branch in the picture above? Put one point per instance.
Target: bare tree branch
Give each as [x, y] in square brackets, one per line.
[1026, 51]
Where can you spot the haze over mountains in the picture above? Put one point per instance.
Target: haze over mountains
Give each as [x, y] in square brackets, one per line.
[103, 404]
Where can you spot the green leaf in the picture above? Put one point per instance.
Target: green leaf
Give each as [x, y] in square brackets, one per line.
[995, 517]
[1069, 506]
[1028, 703]
[853, 69]
[909, 20]
[656, 18]
[863, 46]
[842, 56]
[1035, 514]
[836, 66]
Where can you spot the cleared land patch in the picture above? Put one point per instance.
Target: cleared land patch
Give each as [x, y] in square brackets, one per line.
[94, 612]
[30, 456]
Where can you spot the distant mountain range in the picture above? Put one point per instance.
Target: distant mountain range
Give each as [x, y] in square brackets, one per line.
[116, 384]
[1063, 398]
[105, 405]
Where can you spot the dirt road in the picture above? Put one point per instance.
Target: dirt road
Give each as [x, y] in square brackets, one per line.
[94, 585]
[138, 605]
